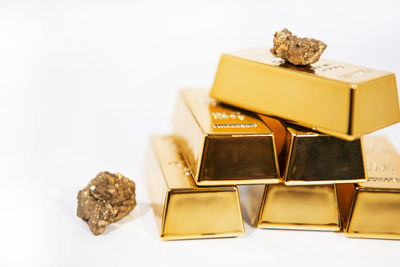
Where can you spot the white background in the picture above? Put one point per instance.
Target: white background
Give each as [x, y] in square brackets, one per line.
[83, 84]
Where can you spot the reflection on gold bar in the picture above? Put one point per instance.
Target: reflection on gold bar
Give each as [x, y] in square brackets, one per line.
[312, 207]
[339, 99]
[183, 210]
[222, 145]
[372, 209]
[309, 157]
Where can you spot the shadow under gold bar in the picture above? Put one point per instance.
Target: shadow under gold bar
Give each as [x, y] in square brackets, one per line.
[306, 207]
[307, 157]
[343, 100]
[372, 209]
[223, 145]
[183, 210]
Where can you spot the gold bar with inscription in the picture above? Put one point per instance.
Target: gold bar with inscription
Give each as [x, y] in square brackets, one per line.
[307, 157]
[299, 207]
[223, 145]
[343, 100]
[372, 209]
[183, 210]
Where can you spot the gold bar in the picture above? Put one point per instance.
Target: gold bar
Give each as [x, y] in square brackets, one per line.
[223, 145]
[343, 100]
[311, 207]
[307, 157]
[372, 209]
[183, 210]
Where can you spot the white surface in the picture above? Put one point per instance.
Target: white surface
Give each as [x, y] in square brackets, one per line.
[83, 85]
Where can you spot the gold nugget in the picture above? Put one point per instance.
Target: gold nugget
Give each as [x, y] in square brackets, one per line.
[106, 199]
[298, 51]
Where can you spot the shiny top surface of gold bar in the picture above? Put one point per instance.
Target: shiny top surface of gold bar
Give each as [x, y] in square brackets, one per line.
[216, 118]
[171, 163]
[324, 68]
[383, 164]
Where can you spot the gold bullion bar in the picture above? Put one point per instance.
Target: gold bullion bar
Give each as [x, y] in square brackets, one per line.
[307, 157]
[183, 210]
[223, 145]
[343, 100]
[372, 209]
[299, 207]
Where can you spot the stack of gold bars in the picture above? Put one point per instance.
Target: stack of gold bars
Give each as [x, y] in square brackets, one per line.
[295, 134]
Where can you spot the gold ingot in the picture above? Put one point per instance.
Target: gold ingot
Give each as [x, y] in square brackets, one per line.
[183, 210]
[307, 157]
[339, 99]
[299, 207]
[223, 145]
[372, 209]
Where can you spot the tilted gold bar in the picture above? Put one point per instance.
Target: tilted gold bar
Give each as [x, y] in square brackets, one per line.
[183, 210]
[372, 209]
[307, 157]
[311, 207]
[339, 99]
[223, 145]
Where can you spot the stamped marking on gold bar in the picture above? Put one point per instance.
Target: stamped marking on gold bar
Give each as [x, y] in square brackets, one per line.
[232, 126]
[178, 164]
[387, 168]
[225, 115]
[383, 180]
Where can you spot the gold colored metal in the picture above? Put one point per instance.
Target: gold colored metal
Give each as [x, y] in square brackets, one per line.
[311, 207]
[372, 209]
[307, 157]
[223, 145]
[339, 99]
[183, 210]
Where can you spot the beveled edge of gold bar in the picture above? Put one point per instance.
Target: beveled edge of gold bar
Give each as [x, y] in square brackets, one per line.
[238, 182]
[187, 186]
[300, 182]
[373, 236]
[200, 236]
[301, 227]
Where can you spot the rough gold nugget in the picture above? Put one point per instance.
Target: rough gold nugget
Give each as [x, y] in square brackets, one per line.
[106, 199]
[298, 51]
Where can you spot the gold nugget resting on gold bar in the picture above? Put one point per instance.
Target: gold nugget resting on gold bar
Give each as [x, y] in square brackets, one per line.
[310, 207]
[223, 145]
[372, 209]
[183, 210]
[307, 157]
[343, 100]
